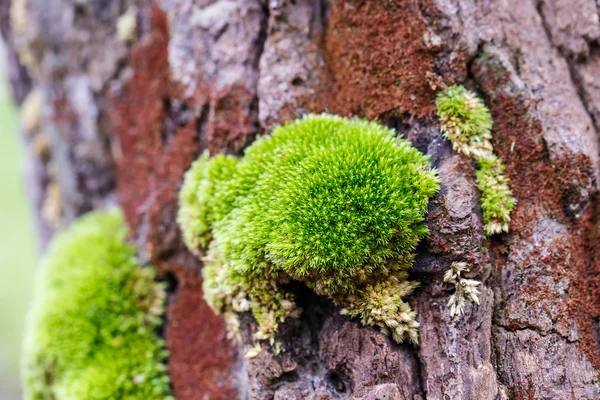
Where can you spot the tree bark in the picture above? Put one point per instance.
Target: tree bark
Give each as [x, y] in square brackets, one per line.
[133, 91]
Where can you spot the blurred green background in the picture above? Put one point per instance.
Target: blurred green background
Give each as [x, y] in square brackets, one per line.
[19, 252]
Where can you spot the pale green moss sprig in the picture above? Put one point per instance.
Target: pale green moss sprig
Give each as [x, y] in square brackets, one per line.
[382, 305]
[467, 123]
[496, 197]
[465, 289]
[91, 332]
[229, 293]
[335, 203]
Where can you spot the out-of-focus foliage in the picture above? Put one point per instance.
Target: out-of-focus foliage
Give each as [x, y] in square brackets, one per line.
[92, 328]
[17, 238]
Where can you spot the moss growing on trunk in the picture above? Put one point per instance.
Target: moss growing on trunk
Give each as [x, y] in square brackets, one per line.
[467, 123]
[335, 203]
[92, 328]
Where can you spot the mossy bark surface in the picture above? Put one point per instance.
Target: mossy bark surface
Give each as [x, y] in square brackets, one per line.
[124, 112]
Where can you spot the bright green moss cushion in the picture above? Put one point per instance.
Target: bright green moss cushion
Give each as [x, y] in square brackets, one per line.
[334, 202]
[92, 327]
[323, 197]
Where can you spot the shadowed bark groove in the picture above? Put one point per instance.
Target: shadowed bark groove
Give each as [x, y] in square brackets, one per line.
[123, 116]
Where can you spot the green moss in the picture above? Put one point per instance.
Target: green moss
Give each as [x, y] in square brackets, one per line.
[198, 200]
[92, 328]
[496, 197]
[467, 123]
[335, 203]
[382, 305]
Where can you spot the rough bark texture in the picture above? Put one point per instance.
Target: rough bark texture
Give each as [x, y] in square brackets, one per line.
[125, 111]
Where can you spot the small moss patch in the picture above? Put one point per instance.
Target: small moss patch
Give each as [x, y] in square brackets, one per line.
[467, 123]
[92, 328]
[335, 203]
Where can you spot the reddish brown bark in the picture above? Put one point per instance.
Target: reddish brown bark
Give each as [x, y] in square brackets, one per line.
[125, 119]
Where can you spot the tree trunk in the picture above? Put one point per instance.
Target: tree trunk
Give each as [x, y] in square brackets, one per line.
[124, 95]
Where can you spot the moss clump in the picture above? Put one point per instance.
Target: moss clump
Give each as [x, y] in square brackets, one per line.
[335, 203]
[496, 197]
[92, 328]
[467, 123]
